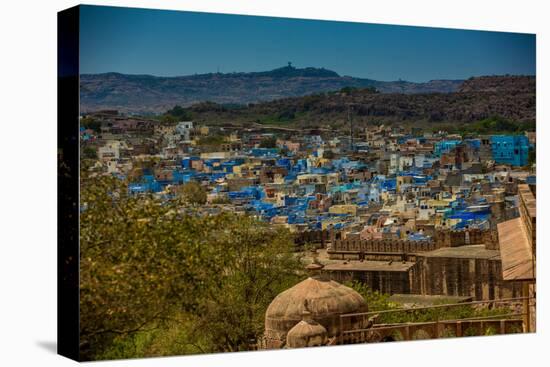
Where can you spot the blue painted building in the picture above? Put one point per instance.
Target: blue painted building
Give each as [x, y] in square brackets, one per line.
[510, 149]
[445, 146]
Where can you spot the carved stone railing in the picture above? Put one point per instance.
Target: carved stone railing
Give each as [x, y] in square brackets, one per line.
[431, 330]
[512, 322]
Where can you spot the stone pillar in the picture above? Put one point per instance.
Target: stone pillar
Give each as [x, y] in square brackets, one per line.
[526, 309]
[472, 277]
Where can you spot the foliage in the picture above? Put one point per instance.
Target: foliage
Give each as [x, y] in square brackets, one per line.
[375, 300]
[351, 90]
[179, 113]
[286, 115]
[89, 153]
[348, 90]
[269, 142]
[380, 302]
[494, 125]
[159, 278]
[91, 123]
[213, 140]
[221, 199]
[168, 119]
[193, 193]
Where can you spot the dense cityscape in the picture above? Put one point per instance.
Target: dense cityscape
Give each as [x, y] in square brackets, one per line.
[257, 183]
[425, 218]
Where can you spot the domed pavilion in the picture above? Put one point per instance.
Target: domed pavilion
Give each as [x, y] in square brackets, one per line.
[322, 300]
[306, 333]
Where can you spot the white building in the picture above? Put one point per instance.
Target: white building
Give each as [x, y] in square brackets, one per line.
[111, 150]
[184, 128]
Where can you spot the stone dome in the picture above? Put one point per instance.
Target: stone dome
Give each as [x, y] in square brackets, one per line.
[306, 333]
[326, 300]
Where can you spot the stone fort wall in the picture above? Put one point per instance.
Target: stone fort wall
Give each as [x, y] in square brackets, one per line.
[479, 278]
[350, 248]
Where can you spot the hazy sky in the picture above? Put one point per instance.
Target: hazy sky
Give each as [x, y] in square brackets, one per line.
[169, 43]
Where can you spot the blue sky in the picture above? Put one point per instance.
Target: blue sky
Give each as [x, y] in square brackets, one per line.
[170, 43]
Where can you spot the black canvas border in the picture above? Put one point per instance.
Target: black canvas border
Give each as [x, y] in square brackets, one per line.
[68, 109]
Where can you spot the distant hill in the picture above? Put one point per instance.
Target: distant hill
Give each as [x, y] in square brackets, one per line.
[495, 97]
[505, 83]
[152, 94]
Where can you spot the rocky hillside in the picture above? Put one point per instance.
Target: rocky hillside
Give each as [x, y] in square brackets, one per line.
[506, 83]
[509, 98]
[151, 94]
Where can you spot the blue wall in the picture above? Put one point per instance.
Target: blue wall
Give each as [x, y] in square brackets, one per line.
[510, 149]
[445, 146]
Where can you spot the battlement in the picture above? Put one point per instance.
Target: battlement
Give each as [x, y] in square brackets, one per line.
[443, 238]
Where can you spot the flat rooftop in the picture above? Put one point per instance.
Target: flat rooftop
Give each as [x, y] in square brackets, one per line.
[369, 265]
[464, 252]
[516, 252]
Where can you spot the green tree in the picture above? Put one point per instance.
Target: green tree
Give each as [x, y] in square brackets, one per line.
[193, 193]
[286, 115]
[91, 123]
[212, 140]
[158, 280]
[221, 200]
[269, 142]
[348, 90]
[168, 119]
[260, 265]
[89, 153]
[380, 302]
[179, 113]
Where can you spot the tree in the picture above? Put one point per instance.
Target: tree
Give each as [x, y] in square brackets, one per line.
[168, 119]
[179, 113]
[91, 123]
[89, 153]
[269, 142]
[221, 200]
[380, 302]
[128, 278]
[348, 90]
[260, 265]
[193, 193]
[158, 278]
[286, 115]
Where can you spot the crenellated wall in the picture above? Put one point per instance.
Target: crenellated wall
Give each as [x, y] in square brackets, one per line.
[381, 246]
[351, 248]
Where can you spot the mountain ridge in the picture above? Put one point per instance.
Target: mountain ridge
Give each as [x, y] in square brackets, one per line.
[144, 93]
[509, 101]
